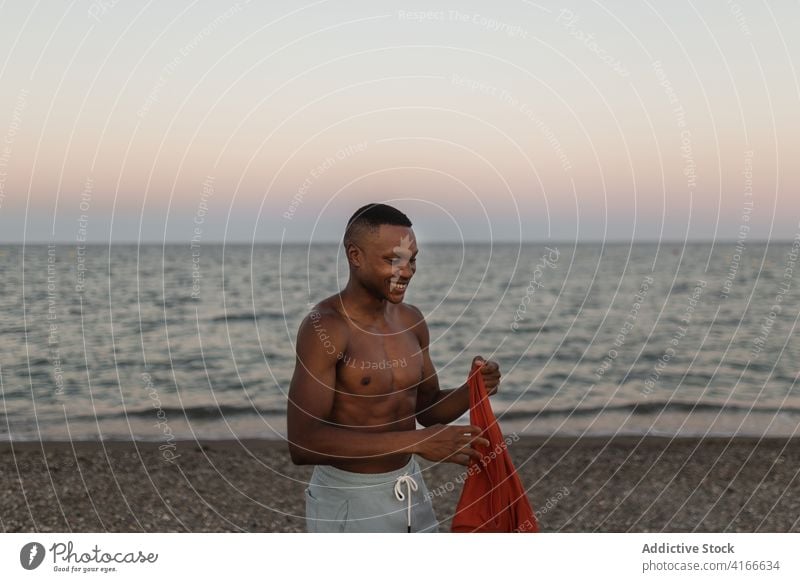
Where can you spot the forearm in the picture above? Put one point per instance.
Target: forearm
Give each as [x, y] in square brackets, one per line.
[447, 407]
[325, 443]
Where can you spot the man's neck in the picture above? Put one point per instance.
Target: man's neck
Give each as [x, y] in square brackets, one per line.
[359, 304]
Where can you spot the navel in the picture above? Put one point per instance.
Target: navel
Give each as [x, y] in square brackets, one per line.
[365, 380]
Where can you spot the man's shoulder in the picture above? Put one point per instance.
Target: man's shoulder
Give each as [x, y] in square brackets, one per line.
[325, 311]
[322, 331]
[411, 312]
[414, 320]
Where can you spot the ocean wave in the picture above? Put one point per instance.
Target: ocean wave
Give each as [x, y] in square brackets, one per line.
[249, 316]
[647, 408]
[210, 411]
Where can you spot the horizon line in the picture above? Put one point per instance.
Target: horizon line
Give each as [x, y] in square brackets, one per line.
[440, 242]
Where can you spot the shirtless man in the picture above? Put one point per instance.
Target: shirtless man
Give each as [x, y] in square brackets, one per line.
[363, 378]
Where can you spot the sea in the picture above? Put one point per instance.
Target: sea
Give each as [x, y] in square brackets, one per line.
[159, 342]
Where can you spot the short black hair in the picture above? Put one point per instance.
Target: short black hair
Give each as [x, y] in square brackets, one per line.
[370, 217]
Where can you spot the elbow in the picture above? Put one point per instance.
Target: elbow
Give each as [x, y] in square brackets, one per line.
[424, 419]
[298, 454]
[302, 445]
[298, 442]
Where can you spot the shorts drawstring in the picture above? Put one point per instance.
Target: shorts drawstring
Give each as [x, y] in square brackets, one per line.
[411, 485]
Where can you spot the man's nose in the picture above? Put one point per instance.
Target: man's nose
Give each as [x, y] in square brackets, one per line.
[403, 269]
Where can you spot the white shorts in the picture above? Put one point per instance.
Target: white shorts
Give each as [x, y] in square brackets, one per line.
[344, 501]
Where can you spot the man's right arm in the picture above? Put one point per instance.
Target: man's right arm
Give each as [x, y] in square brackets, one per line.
[314, 440]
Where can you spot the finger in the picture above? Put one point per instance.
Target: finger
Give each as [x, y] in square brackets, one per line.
[480, 440]
[491, 383]
[492, 366]
[473, 430]
[459, 458]
[474, 455]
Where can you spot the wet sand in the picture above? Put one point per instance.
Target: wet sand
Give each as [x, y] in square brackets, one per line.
[575, 485]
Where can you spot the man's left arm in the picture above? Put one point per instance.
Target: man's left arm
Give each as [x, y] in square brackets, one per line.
[437, 406]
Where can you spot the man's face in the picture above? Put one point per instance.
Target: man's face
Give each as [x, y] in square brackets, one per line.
[389, 261]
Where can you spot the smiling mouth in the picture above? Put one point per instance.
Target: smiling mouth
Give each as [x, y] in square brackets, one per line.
[397, 287]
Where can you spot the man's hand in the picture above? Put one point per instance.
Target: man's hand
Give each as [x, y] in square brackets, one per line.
[491, 374]
[450, 443]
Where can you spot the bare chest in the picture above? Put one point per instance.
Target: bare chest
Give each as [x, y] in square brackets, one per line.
[380, 363]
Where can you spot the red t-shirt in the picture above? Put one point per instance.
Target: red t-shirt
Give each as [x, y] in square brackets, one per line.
[493, 499]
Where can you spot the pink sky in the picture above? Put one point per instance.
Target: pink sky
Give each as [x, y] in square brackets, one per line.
[480, 121]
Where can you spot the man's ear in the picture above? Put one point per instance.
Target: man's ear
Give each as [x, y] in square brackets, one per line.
[354, 255]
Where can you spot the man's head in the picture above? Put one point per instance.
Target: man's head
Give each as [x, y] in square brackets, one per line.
[381, 250]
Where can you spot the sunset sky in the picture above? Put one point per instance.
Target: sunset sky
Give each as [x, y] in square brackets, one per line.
[501, 121]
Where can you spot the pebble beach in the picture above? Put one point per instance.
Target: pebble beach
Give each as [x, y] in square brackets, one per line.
[625, 484]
